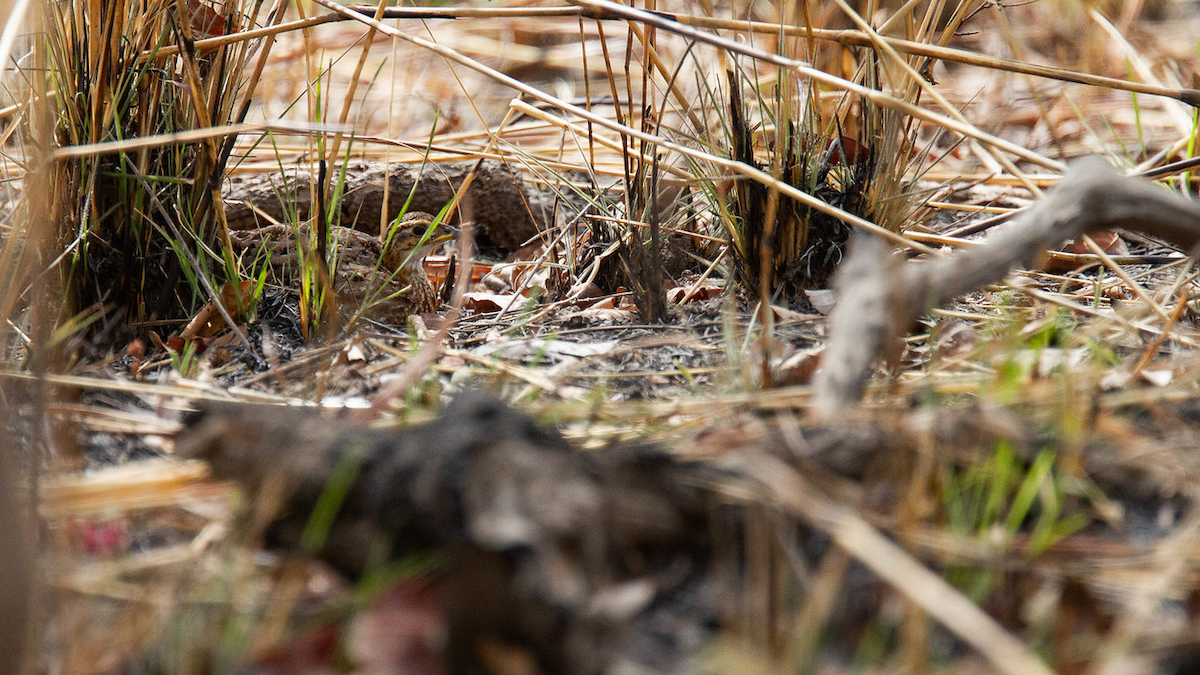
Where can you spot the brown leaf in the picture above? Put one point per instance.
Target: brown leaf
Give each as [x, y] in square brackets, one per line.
[955, 337]
[208, 321]
[822, 299]
[490, 302]
[799, 368]
[207, 23]
[856, 153]
[236, 298]
[702, 293]
[584, 293]
[1108, 240]
[603, 311]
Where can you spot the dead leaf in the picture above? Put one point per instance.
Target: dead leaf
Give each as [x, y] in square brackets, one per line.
[517, 275]
[954, 337]
[221, 357]
[798, 368]
[1158, 378]
[856, 153]
[1108, 240]
[528, 252]
[784, 314]
[524, 348]
[491, 302]
[208, 321]
[597, 312]
[207, 23]
[157, 341]
[1114, 379]
[106, 538]
[437, 266]
[606, 303]
[583, 292]
[822, 299]
[700, 294]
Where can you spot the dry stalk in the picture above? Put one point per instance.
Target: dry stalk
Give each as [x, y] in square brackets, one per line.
[738, 167]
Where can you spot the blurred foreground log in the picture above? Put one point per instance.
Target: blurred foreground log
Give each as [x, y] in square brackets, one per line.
[17, 574]
[552, 551]
[585, 562]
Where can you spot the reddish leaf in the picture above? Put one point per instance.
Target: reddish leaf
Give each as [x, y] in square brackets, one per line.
[1108, 240]
[207, 23]
[702, 293]
[313, 651]
[400, 632]
[856, 153]
[102, 537]
[490, 302]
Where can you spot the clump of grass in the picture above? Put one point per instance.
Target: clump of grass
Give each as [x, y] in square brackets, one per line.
[141, 226]
[850, 153]
[779, 245]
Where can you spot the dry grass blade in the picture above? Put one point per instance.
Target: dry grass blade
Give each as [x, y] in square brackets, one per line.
[803, 69]
[917, 80]
[862, 39]
[187, 137]
[141, 486]
[739, 167]
[115, 219]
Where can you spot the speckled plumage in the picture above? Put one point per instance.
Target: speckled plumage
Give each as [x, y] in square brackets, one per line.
[371, 282]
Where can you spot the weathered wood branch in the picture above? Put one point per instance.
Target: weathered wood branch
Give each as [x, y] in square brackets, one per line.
[879, 298]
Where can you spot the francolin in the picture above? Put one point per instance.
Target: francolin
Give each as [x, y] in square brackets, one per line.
[382, 280]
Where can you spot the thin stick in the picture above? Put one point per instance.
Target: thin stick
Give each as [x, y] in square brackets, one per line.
[881, 301]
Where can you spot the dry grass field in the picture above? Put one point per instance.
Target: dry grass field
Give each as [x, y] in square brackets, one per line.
[774, 336]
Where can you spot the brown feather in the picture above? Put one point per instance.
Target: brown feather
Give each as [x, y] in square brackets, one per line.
[369, 281]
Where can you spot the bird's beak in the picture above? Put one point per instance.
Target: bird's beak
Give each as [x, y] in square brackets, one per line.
[449, 230]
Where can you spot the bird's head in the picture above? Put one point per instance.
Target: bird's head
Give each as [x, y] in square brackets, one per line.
[413, 238]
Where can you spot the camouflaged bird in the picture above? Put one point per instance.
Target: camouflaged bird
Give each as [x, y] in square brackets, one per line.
[375, 279]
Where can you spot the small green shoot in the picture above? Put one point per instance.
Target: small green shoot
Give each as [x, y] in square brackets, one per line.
[329, 504]
[995, 500]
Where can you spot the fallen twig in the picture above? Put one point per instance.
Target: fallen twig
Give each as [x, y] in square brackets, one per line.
[880, 298]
